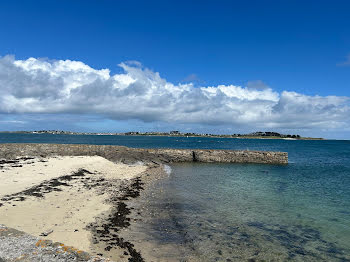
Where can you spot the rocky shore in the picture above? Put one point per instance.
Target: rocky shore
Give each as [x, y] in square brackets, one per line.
[17, 245]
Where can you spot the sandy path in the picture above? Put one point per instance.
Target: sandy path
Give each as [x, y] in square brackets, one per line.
[65, 212]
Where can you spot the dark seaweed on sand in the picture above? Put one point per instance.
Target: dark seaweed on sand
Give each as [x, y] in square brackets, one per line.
[117, 219]
[45, 187]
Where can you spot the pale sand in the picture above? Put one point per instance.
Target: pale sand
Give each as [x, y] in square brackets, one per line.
[66, 212]
[17, 179]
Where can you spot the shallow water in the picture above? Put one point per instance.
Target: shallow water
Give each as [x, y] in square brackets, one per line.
[237, 212]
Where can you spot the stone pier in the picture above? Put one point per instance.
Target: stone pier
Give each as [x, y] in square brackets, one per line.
[129, 155]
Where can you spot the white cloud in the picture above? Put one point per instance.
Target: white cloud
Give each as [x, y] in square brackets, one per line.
[45, 86]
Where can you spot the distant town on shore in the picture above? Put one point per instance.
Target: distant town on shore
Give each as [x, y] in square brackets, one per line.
[175, 133]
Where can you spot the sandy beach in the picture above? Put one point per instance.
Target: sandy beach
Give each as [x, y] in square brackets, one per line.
[63, 198]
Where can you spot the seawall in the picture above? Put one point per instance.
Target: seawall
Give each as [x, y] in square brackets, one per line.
[129, 155]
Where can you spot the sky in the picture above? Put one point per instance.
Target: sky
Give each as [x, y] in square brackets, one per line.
[193, 66]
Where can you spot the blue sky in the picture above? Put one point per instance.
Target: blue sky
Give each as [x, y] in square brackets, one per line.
[286, 46]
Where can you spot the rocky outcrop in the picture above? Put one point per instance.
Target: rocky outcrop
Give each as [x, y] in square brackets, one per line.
[129, 155]
[19, 246]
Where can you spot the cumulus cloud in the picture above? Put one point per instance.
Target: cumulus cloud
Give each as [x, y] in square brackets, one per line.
[66, 87]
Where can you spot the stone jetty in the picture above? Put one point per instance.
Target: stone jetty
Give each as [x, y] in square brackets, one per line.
[130, 155]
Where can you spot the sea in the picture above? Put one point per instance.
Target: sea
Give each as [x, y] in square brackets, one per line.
[244, 212]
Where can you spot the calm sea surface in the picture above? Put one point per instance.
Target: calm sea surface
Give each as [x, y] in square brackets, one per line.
[236, 212]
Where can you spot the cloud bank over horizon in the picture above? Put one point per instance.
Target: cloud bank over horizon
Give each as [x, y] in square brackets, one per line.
[43, 86]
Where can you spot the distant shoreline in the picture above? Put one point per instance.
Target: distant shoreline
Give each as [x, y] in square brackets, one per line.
[159, 134]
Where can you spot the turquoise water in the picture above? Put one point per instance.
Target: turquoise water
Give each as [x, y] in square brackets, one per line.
[239, 212]
[235, 212]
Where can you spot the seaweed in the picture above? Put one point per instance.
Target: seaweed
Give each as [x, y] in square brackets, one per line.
[118, 219]
[45, 187]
